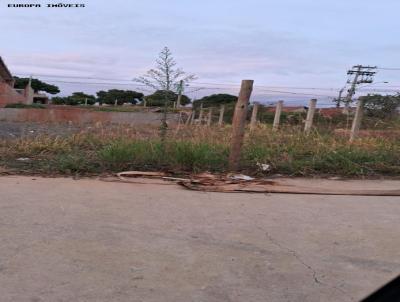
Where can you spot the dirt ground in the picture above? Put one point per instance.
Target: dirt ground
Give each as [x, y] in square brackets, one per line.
[10, 130]
[90, 240]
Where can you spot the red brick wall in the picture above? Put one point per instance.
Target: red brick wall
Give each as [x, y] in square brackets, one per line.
[8, 95]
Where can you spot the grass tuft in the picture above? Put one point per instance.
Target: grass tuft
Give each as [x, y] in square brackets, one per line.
[197, 149]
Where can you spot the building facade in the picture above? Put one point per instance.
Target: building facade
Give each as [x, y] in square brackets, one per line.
[9, 95]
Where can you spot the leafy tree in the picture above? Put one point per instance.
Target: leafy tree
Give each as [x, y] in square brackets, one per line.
[59, 100]
[122, 96]
[215, 100]
[159, 97]
[77, 98]
[37, 85]
[381, 106]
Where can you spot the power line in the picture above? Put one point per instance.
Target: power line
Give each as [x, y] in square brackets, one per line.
[261, 88]
[192, 85]
[389, 68]
[297, 93]
[73, 77]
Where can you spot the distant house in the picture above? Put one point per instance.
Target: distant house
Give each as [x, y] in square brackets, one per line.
[8, 94]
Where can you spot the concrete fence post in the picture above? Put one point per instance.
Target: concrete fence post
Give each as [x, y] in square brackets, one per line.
[355, 128]
[201, 114]
[277, 117]
[239, 123]
[189, 118]
[193, 117]
[209, 119]
[253, 121]
[178, 103]
[221, 115]
[310, 116]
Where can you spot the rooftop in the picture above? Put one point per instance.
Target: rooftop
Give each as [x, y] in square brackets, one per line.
[4, 72]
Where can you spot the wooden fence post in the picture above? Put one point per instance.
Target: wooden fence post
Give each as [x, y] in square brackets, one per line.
[221, 115]
[209, 119]
[310, 116]
[253, 121]
[277, 118]
[357, 120]
[239, 123]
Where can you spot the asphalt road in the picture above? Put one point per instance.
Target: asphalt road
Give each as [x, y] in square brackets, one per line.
[89, 240]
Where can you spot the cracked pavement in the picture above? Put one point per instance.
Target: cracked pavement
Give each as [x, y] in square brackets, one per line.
[88, 240]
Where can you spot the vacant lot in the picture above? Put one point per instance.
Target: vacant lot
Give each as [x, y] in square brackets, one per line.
[89, 240]
[101, 148]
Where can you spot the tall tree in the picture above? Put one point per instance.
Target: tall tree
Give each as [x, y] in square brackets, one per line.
[165, 77]
[37, 85]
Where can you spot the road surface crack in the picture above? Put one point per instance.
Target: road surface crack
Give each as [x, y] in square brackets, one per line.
[309, 267]
[294, 254]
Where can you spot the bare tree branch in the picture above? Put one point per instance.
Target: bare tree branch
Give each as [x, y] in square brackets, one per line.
[165, 76]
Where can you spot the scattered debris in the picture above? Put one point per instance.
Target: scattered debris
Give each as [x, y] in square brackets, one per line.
[141, 174]
[240, 177]
[235, 183]
[264, 167]
[23, 159]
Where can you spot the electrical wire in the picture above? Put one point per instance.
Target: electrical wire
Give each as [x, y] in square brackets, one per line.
[388, 68]
[194, 84]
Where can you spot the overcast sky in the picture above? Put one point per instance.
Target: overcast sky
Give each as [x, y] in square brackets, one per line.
[289, 43]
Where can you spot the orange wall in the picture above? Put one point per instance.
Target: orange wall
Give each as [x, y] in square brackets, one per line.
[8, 95]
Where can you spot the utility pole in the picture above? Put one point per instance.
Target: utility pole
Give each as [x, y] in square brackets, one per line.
[180, 90]
[362, 74]
[339, 99]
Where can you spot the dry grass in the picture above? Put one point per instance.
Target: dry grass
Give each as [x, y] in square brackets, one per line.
[194, 149]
